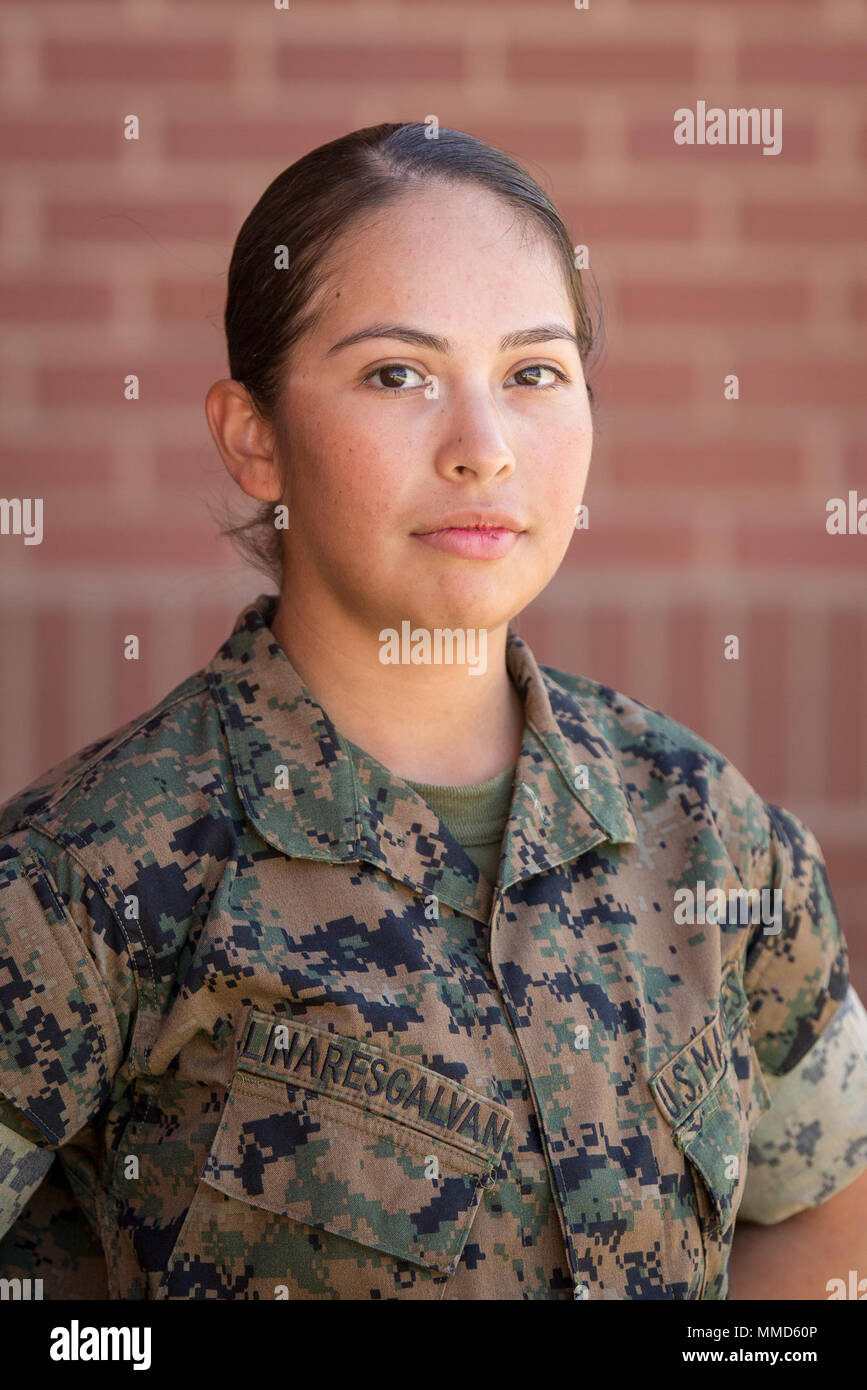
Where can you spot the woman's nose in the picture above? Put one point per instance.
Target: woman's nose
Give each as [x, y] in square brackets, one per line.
[474, 441]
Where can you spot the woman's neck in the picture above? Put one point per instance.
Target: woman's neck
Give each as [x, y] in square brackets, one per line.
[437, 722]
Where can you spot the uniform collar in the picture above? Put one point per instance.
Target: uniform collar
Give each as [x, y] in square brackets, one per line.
[309, 796]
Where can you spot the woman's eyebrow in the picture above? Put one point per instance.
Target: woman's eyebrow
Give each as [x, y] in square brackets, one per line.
[522, 337]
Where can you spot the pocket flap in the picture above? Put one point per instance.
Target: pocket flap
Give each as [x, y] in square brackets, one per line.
[339, 1134]
[691, 1074]
[712, 1109]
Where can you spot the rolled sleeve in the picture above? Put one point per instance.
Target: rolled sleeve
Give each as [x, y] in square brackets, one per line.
[23, 1165]
[797, 970]
[813, 1140]
[60, 1043]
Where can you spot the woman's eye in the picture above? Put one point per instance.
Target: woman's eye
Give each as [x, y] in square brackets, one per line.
[394, 377]
[533, 374]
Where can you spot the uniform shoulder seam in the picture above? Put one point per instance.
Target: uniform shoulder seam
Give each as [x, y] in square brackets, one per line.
[42, 818]
[660, 725]
[139, 956]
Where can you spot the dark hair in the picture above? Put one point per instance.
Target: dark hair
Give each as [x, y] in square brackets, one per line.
[306, 209]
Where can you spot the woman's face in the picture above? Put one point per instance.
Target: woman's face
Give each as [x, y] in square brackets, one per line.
[469, 425]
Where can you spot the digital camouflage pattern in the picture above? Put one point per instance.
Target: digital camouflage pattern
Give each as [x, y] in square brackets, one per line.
[286, 1041]
[813, 1141]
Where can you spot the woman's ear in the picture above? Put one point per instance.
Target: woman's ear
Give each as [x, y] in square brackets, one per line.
[247, 443]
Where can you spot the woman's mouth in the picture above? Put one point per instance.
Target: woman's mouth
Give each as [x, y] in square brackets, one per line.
[472, 542]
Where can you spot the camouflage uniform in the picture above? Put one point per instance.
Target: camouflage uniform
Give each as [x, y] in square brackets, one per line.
[286, 1041]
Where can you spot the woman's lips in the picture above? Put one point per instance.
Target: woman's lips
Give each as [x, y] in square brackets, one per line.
[473, 542]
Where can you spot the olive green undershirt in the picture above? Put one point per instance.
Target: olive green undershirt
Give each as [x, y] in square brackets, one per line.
[476, 815]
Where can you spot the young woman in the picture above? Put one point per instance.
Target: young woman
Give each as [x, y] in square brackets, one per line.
[378, 960]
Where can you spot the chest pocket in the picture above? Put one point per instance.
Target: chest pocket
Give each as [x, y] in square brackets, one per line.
[338, 1170]
[713, 1095]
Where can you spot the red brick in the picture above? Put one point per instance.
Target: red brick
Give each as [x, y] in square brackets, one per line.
[129, 679]
[763, 656]
[160, 383]
[688, 673]
[846, 873]
[628, 544]
[803, 62]
[703, 465]
[25, 139]
[505, 6]
[213, 624]
[819, 220]
[804, 546]
[427, 61]
[552, 636]
[669, 212]
[122, 220]
[629, 219]
[593, 61]
[51, 657]
[654, 139]
[755, 7]
[859, 301]
[705, 301]
[820, 383]
[245, 139]
[847, 709]
[855, 464]
[188, 301]
[632, 383]
[603, 657]
[136, 60]
[33, 470]
[849, 865]
[176, 465]
[32, 299]
[538, 630]
[535, 139]
[116, 541]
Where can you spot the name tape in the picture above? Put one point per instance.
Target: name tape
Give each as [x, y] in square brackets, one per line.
[366, 1076]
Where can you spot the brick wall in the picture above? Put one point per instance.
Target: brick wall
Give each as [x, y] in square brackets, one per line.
[707, 516]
